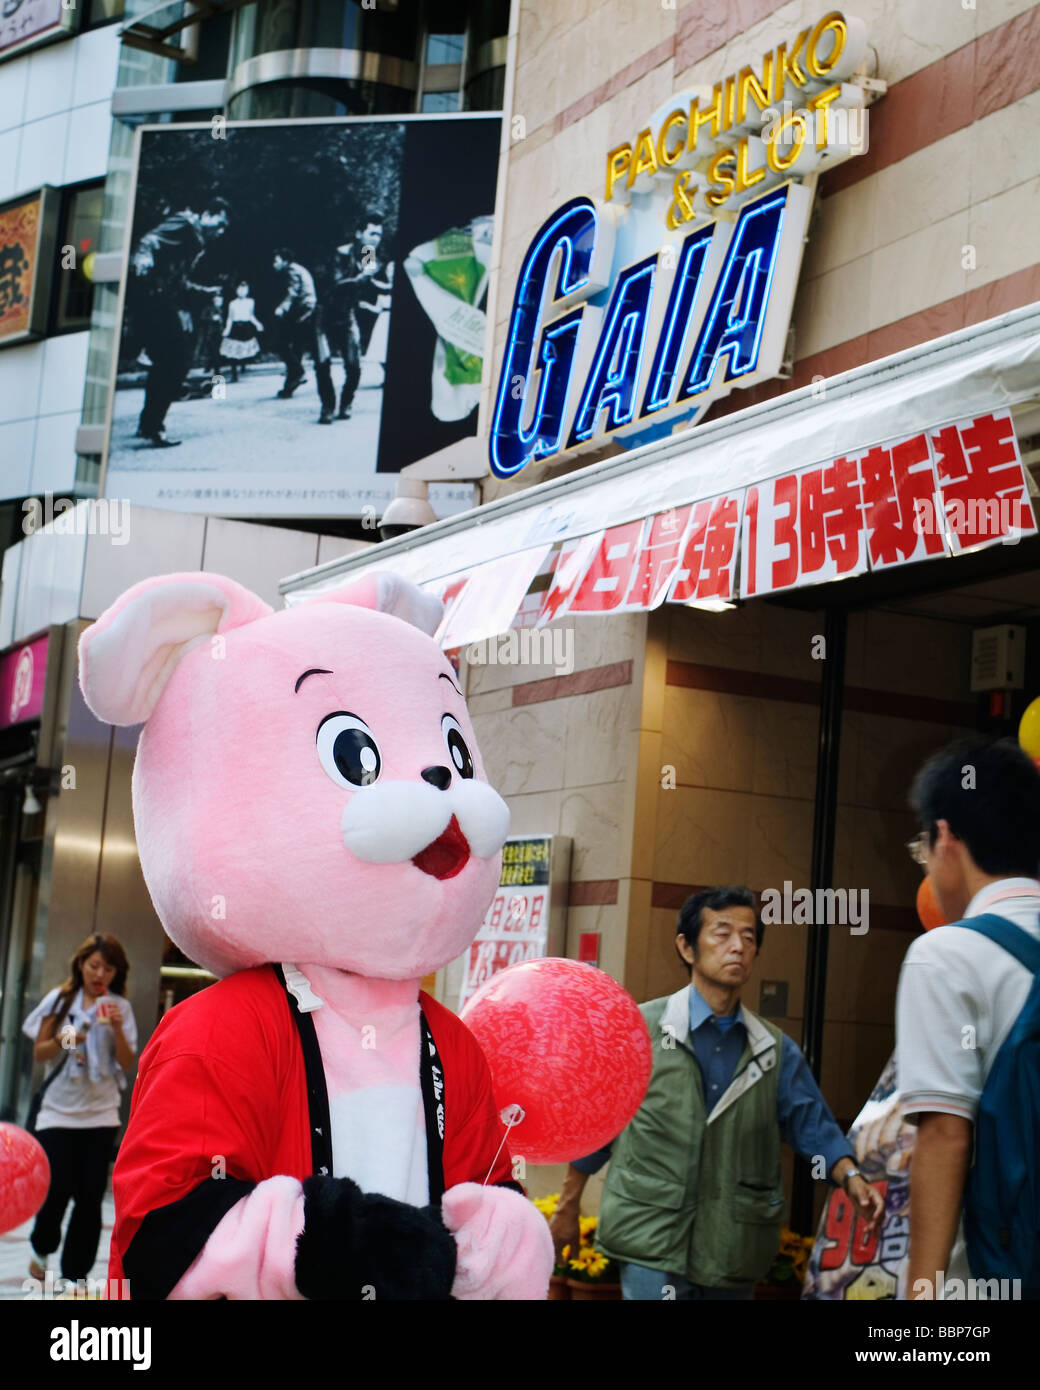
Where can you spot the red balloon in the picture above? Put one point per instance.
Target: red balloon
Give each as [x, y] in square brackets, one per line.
[928, 910]
[566, 1043]
[25, 1176]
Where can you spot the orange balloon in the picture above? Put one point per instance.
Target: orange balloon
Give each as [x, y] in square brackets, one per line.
[928, 910]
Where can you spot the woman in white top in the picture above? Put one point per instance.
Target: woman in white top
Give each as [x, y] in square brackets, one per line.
[88, 1024]
[239, 344]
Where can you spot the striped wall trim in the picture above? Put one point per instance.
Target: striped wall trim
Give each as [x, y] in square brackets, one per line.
[700, 31]
[973, 306]
[762, 686]
[599, 892]
[577, 683]
[993, 71]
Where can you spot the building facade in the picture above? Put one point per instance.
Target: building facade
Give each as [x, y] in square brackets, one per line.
[771, 743]
[765, 736]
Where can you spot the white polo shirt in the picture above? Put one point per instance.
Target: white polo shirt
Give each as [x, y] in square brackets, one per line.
[959, 996]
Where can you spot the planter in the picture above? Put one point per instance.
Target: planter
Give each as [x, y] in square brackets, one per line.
[558, 1287]
[789, 1293]
[593, 1292]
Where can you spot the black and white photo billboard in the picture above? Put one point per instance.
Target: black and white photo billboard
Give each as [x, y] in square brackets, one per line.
[302, 312]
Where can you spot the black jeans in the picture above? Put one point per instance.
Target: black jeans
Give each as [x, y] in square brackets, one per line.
[298, 338]
[79, 1160]
[170, 345]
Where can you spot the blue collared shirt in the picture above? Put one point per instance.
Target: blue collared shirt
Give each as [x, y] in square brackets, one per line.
[805, 1121]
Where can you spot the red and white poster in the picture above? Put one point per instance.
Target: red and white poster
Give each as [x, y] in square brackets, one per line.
[516, 925]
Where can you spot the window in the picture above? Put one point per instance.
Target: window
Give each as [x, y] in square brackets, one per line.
[78, 235]
[440, 101]
[443, 48]
[100, 12]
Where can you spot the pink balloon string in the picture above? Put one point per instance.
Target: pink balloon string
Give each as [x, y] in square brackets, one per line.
[511, 1115]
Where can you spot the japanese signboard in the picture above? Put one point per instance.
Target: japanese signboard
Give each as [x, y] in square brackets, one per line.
[636, 310]
[26, 23]
[517, 925]
[22, 674]
[27, 230]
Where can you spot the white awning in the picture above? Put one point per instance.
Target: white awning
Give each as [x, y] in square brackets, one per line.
[990, 366]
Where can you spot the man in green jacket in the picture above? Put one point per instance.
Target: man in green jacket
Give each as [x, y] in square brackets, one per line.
[693, 1203]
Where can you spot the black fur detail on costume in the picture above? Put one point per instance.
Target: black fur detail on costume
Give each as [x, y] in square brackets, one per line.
[170, 1238]
[361, 1245]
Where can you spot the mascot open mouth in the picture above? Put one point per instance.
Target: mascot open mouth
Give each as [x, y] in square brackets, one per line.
[445, 856]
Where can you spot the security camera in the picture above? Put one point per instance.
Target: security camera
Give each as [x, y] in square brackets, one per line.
[409, 510]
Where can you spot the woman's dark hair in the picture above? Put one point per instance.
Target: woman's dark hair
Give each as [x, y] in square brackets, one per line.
[285, 252]
[988, 790]
[692, 911]
[112, 953]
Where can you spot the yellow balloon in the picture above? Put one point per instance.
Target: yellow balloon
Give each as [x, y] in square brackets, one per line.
[1029, 729]
[88, 265]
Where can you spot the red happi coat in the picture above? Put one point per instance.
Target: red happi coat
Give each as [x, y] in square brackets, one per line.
[222, 1082]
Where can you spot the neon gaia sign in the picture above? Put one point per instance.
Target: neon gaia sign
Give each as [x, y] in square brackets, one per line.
[634, 312]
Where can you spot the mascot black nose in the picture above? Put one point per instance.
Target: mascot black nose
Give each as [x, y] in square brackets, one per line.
[439, 777]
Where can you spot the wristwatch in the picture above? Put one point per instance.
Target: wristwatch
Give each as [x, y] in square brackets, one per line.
[852, 1173]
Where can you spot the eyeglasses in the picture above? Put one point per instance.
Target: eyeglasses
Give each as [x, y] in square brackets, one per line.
[918, 848]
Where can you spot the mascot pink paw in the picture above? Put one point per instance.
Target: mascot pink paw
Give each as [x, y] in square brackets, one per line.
[504, 1247]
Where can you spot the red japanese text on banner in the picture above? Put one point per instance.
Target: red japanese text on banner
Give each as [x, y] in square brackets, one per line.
[709, 550]
[901, 506]
[609, 576]
[803, 528]
[982, 482]
[657, 560]
[571, 563]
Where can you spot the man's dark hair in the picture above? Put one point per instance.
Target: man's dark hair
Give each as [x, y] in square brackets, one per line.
[217, 205]
[285, 253]
[988, 790]
[692, 912]
[373, 217]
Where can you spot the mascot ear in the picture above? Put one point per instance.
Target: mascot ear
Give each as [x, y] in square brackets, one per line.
[128, 655]
[389, 593]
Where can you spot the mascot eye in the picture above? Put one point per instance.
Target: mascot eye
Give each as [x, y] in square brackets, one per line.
[347, 751]
[461, 760]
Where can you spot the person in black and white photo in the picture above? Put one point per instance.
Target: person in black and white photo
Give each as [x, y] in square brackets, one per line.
[299, 315]
[161, 267]
[360, 276]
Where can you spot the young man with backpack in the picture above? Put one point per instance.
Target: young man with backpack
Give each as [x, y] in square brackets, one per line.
[968, 1027]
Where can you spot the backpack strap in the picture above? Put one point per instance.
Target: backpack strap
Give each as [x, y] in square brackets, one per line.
[1014, 940]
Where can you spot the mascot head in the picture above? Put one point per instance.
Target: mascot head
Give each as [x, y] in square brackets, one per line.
[307, 786]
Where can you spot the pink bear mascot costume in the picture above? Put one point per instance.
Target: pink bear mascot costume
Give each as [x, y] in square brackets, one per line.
[315, 827]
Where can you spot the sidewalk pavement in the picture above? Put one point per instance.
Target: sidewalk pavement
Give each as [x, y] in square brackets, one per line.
[16, 1252]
